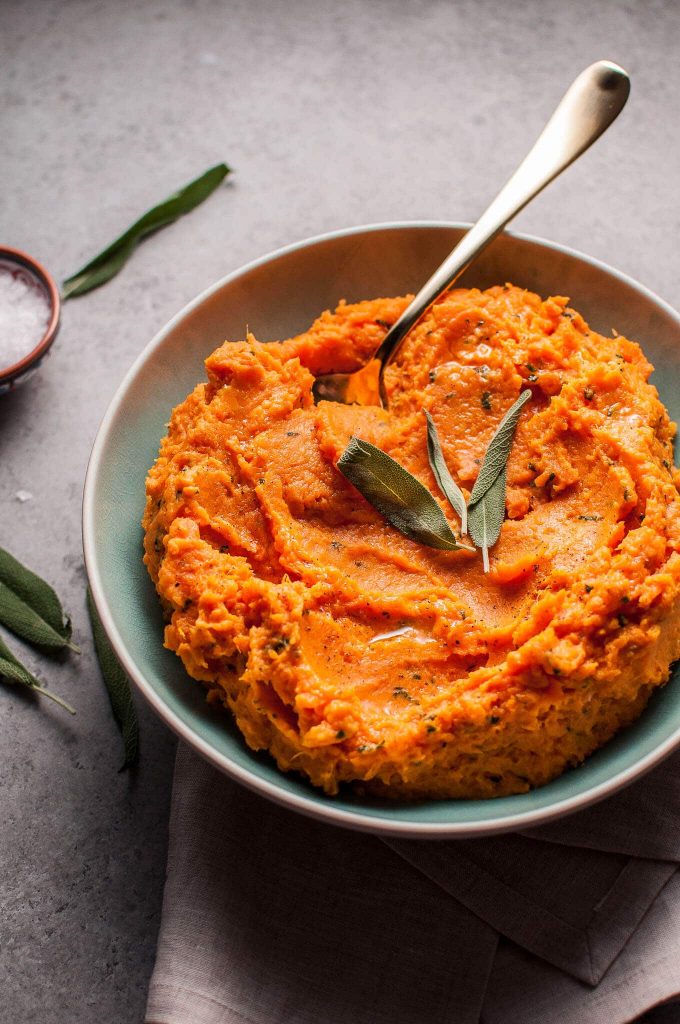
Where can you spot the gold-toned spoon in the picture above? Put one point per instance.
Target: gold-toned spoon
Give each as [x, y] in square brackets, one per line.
[589, 106]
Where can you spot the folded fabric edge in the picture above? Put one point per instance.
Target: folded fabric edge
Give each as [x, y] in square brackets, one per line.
[177, 1004]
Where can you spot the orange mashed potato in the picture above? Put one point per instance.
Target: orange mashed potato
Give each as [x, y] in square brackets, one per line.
[353, 654]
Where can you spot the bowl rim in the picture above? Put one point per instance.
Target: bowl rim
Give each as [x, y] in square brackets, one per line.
[11, 255]
[312, 806]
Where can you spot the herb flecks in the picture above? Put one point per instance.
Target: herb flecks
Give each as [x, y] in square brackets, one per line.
[403, 694]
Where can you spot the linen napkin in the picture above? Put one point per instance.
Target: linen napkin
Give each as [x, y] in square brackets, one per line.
[273, 918]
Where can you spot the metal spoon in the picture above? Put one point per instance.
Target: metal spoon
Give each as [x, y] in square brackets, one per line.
[589, 106]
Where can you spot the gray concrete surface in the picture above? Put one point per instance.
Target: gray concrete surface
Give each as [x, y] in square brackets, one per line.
[332, 114]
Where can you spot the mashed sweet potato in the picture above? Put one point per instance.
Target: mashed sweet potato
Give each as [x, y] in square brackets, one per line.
[354, 654]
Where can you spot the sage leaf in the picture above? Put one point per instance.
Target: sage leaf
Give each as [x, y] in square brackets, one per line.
[21, 619]
[108, 263]
[447, 484]
[486, 508]
[34, 592]
[486, 516]
[497, 453]
[12, 671]
[404, 502]
[117, 686]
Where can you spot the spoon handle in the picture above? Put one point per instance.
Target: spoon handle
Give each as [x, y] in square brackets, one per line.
[589, 106]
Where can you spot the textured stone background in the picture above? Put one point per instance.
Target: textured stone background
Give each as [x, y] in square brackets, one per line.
[332, 114]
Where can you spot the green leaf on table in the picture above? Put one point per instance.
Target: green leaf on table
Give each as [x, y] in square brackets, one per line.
[118, 687]
[12, 671]
[24, 621]
[486, 508]
[107, 264]
[447, 484]
[34, 592]
[404, 502]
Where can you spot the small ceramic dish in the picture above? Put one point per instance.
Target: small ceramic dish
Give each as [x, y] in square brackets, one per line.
[35, 274]
[279, 296]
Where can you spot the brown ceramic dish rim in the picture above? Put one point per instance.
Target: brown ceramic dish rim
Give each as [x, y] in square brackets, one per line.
[10, 373]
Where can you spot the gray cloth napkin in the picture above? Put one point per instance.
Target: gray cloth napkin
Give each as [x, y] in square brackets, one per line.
[272, 918]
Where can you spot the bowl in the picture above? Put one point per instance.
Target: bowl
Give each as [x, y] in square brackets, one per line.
[33, 274]
[279, 296]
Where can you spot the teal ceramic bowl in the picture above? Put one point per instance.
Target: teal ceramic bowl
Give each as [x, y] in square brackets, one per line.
[279, 296]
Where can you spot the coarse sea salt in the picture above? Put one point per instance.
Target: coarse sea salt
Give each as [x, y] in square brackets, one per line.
[24, 313]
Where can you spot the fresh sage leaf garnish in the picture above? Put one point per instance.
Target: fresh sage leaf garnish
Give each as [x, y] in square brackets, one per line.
[12, 671]
[24, 621]
[409, 506]
[107, 264]
[33, 591]
[486, 508]
[117, 686]
[447, 484]
[499, 449]
[485, 518]
[404, 502]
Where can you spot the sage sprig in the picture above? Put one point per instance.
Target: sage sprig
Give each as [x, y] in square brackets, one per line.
[12, 671]
[117, 686]
[486, 507]
[30, 608]
[109, 262]
[407, 505]
[485, 518]
[34, 591]
[447, 484]
[498, 450]
[404, 502]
